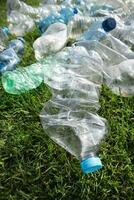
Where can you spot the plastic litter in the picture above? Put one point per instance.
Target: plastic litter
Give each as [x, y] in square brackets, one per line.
[70, 118]
[76, 73]
[52, 41]
[63, 16]
[10, 57]
[98, 30]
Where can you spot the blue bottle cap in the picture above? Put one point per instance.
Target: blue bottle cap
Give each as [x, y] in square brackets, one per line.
[91, 165]
[6, 30]
[109, 24]
[75, 10]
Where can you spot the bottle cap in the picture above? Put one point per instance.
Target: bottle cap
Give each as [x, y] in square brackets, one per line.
[91, 165]
[109, 24]
[75, 10]
[6, 30]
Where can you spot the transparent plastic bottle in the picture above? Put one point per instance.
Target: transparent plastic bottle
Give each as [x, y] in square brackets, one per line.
[19, 23]
[52, 41]
[70, 118]
[109, 56]
[119, 46]
[121, 78]
[64, 16]
[98, 30]
[34, 12]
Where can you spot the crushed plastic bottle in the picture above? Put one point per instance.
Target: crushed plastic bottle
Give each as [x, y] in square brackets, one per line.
[121, 79]
[64, 16]
[52, 41]
[98, 30]
[119, 46]
[9, 58]
[25, 79]
[22, 80]
[19, 24]
[109, 56]
[17, 45]
[70, 118]
[33, 12]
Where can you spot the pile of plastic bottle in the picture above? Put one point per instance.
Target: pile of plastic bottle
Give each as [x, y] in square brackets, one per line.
[101, 35]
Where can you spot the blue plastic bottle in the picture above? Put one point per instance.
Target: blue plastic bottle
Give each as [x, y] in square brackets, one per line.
[17, 45]
[9, 58]
[98, 30]
[64, 16]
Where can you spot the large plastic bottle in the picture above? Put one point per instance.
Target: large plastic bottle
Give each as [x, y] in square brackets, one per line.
[64, 16]
[70, 118]
[25, 79]
[52, 41]
[98, 30]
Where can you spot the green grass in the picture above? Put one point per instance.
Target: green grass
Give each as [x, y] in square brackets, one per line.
[32, 167]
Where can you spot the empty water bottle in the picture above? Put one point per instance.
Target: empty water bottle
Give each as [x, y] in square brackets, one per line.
[53, 40]
[17, 45]
[33, 12]
[64, 16]
[19, 23]
[22, 80]
[119, 46]
[8, 60]
[121, 78]
[98, 30]
[68, 118]
[9, 57]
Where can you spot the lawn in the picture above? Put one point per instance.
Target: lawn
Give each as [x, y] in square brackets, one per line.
[32, 167]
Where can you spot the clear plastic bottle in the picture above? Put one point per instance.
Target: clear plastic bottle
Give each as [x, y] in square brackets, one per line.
[121, 78]
[52, 41]
[98, 30]
[64, 16]
[19, 23]
[119, 46]
[34, 12]
[70, 118]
